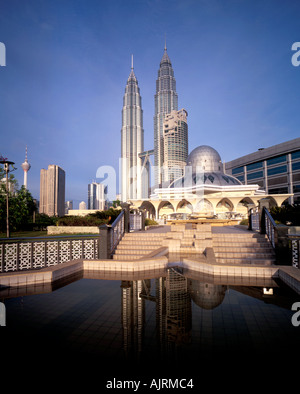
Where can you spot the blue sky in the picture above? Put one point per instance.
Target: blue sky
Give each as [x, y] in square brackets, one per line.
[67, 63]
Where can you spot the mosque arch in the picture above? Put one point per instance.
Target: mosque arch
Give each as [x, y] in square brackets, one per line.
[165, 208]
[184, 206]
[204, 206]
[271, 201]
[149, 208]
[225, 205]
[244, 202]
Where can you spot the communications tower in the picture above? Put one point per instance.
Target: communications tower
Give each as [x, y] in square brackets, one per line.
[26, 167]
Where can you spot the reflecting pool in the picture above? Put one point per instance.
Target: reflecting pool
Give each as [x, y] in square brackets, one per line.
[167, 321]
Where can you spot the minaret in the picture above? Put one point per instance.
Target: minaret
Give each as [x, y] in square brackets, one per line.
[26, 167]
[132, 140]
[165, 100]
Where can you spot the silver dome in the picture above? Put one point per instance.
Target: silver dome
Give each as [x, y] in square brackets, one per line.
[207, 169]
[205, 158]
[206, 295]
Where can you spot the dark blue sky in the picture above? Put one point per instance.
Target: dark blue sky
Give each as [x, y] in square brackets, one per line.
[67, 63]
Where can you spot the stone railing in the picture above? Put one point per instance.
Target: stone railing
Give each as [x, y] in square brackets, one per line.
[37, 252]
[17, 254]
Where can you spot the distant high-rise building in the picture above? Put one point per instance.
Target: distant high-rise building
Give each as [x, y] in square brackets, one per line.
[132, 140]
[96, 198]
[68, 206]
[165, 101]
[82, 205]
[175, 136]
[26, 167]
[52, 191]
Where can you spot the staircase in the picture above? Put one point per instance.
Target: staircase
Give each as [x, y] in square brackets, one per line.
[137, 244]
[239, 248]
[188, 241]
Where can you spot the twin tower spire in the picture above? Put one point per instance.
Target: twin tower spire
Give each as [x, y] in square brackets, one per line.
[135, 177]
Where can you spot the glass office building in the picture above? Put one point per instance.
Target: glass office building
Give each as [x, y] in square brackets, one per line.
[175, 145]
[96, 196]
[275, 169]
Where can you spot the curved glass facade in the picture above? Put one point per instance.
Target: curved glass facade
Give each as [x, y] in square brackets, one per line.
[175, 145]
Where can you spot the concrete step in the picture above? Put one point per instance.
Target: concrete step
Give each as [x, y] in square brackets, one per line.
[137, 246]
[127, 256]
[143, 235]
[133, 251]
[139, 242]
[250, 255]
[236, 243]
[240, 239]
[253, 261]
[187, 249]
[244, 249]
[239, 236]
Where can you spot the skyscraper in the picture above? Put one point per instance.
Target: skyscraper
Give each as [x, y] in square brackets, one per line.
[52, 191]
[132, 140]
[175, 136]
[165, 100]
[96, 198]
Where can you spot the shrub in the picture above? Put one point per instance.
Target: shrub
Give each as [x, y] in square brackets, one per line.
[92, 219]
[150, 222]
[288, 214]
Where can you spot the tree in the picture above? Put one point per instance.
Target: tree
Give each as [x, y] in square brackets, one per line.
[288, 214]
[21, 209]
[13, 183]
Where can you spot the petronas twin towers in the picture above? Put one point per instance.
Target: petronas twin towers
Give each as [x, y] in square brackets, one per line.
[134, 160]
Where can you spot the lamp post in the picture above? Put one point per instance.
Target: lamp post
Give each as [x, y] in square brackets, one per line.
[6, 168]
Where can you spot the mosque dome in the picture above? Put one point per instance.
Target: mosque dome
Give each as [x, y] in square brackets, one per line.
[206, 295]
[204, 158]
[207, 169]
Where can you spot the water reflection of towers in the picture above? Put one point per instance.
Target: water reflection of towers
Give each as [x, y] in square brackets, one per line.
[173, 312]
[133, 316]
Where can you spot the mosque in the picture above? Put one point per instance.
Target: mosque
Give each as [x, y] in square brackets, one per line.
[205, 191]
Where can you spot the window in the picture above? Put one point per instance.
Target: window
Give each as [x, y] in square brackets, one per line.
[296, 189]
[296, 166]
[241, 178]
[254, 175]
[279, 190]
[277, 170]
[296, 155]
[276, 160]
[237, 170]
[254, 166]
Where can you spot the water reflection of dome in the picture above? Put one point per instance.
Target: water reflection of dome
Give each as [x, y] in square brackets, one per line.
[206, 169]
[206, 295]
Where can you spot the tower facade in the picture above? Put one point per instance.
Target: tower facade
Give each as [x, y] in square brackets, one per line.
[26, 167]
[165, 101]
[96, 199]
[52, 191]
[132, 140]
[175, 137]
